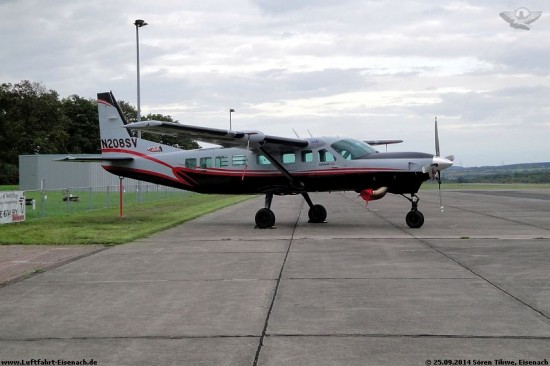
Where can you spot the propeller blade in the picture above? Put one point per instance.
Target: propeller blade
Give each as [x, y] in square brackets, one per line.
[437, 152]
[440, 164]
[440, 197]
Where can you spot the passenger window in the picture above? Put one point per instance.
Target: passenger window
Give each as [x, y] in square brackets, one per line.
[288, 158]
[206, 162]
[191, 163]
[239, 160]
[262, 160]
[221, 161]
[326, 156]
[307, 156]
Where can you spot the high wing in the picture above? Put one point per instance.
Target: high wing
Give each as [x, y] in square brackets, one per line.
[225, 138]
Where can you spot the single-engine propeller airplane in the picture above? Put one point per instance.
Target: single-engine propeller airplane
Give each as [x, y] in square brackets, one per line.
[251, 162]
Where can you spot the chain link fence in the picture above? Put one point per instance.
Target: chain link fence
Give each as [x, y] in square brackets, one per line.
[66, 201]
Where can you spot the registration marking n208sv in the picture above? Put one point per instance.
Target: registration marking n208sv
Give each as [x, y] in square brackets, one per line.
[117, 143]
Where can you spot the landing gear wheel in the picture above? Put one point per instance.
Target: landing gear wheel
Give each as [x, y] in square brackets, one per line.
[317, 214]
[415, 219]
[265, 218]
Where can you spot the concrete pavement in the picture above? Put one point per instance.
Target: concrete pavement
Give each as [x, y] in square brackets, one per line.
[362, 289]
[21, 261]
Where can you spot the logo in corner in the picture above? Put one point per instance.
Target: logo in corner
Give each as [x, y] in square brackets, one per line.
[520, 18]
[155, 149]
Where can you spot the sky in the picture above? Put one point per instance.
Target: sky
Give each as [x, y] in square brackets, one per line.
[356, 68]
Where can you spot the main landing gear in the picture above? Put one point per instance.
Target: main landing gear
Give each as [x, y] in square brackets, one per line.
[265, 218]
[317, 213]
[414, 218]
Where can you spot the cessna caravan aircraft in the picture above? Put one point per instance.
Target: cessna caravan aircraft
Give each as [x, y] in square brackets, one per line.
[251, 162]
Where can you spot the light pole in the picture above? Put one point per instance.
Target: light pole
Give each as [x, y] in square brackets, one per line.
[230, 111]
[138, 23]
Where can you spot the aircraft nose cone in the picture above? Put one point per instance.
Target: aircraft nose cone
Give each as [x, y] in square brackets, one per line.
[442, 163]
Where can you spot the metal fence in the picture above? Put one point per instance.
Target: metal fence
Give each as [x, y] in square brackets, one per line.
[43, 203]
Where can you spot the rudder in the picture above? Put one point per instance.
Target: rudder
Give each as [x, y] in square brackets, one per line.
[115, 137]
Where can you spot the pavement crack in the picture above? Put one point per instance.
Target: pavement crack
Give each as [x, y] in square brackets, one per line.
[492, 216]
[266, 324]
[501, 289]
[464, 266]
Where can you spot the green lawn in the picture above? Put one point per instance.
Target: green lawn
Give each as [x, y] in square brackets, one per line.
[9, 188]
[52, 203]
[105, 227]
[75, 223]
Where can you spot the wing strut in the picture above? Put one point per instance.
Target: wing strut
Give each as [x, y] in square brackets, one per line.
[297, 184]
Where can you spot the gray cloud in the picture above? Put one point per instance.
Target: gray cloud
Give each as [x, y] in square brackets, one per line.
[348, 67]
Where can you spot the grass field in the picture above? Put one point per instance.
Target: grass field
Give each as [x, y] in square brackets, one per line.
[105, 227]
[87, 222]
[9, 188]
[52, 203]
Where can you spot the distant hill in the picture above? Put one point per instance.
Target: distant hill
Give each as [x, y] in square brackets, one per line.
[513, 173]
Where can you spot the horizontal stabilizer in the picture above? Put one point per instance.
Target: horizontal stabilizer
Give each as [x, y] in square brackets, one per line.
[383, 142]
[94, 159]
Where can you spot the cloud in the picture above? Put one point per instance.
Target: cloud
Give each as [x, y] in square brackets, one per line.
[349, 67]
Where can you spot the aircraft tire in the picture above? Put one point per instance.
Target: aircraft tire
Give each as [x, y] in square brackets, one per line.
[317, 214]
[265, 218]
[415, 219]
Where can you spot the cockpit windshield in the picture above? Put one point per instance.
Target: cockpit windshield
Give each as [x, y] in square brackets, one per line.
[351, 149]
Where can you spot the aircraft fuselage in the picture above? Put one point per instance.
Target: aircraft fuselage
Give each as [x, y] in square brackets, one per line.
[319, 168]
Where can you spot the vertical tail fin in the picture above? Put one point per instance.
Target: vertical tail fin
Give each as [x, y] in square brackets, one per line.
[111, 118]
[115, 137]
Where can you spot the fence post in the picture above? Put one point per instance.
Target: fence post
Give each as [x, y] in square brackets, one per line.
[120, 194]
[42, 198]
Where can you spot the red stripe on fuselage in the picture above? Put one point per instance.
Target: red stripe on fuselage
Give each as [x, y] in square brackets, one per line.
[116, 169]
[275, 173]
[141, 155]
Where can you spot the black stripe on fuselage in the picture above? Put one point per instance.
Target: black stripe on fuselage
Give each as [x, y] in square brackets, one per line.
[397, 182]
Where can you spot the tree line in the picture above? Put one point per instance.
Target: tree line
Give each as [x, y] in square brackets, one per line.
[35, 120]
[512, 177]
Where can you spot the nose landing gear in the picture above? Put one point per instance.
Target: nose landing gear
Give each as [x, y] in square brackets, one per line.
[414, 218]
[317, 213]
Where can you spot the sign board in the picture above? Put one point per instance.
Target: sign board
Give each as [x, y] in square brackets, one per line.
[12, 206]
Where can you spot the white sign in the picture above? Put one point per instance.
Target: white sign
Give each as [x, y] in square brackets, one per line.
[12, 206]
